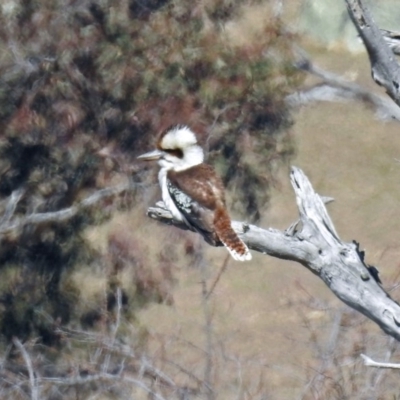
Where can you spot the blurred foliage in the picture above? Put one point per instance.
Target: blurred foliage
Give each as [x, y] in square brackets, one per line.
[84, 88]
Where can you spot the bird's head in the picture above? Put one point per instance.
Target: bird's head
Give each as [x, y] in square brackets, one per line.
[177, 149]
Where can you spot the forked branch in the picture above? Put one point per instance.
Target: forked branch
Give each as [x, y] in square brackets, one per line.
[314, 243]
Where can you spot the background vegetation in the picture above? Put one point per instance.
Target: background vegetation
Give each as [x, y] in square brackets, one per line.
[98, 302]
[85, 86]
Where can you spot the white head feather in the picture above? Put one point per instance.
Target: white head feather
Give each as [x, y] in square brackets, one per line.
[180, 137]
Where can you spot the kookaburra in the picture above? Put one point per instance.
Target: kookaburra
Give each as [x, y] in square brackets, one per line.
[192, 191]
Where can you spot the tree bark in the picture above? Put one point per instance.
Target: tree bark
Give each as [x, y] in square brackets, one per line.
[313, 242]
[384, 67]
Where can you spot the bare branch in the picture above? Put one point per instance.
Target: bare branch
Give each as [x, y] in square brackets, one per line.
[144, 387]
[384, 67]
[218, 277]
[115, 327]
[369, 362]
[315, 244]
[29, 366]
[118, 316]
[12, 204]
[66, 214]
[201, 263]
[118, 348]
[377, 380]
[336, 88]
[331, 347]
[100, 377]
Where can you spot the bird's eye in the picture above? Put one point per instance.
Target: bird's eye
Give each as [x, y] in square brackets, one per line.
[175, 152]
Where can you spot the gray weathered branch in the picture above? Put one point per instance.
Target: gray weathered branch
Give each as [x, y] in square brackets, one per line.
[335, 88]
[32, 379]
[392, 38]
[315, 244]
[384, 67]
[369, 362]
[9, 225]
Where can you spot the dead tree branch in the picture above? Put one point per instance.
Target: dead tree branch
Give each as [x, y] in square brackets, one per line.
[314, 243]
[369, 362]
[335, 88]
[9, 225]
[384, 67]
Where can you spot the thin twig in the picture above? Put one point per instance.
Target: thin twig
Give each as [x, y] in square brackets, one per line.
[102, 376]
[373, 388]
[123, 350]
[208, 332]
[217, 278]
[29, 366]
[210, 130]
[118, 316]
[369, 362]
[157, 374]
[144, 387]
[327, 354]
[12, 204]
[115, 328]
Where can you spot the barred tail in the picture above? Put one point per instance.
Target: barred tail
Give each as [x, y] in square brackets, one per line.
[236, 247]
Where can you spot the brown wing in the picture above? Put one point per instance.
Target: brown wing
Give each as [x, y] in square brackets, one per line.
[200, 183]
[205, 193]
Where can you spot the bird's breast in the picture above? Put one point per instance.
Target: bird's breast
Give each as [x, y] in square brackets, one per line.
[166, 196]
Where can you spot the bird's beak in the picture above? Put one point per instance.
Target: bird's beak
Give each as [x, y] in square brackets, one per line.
[151, 155]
